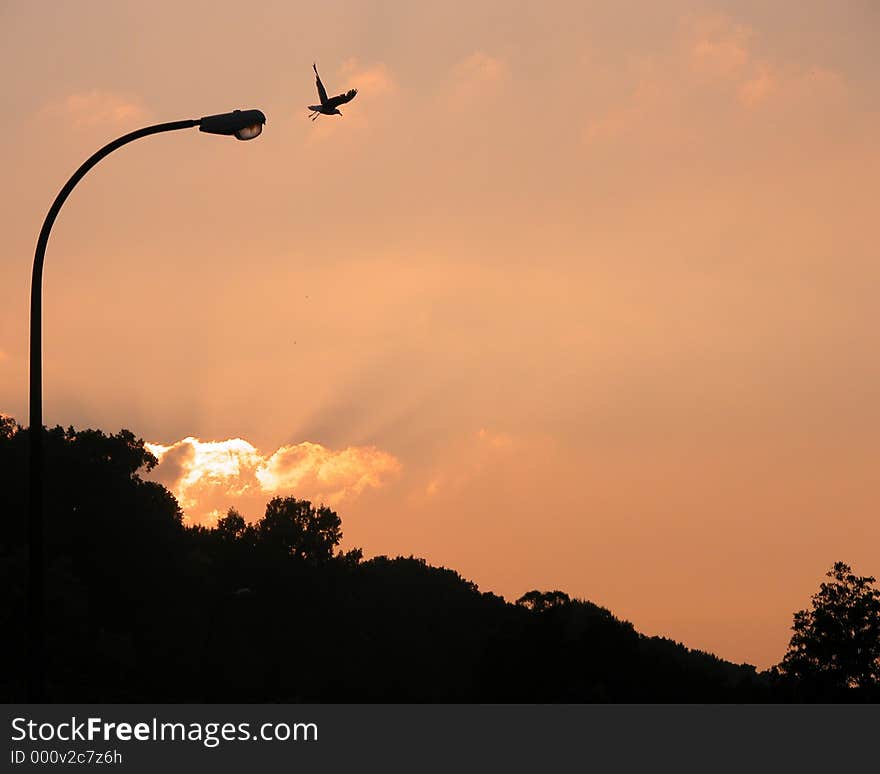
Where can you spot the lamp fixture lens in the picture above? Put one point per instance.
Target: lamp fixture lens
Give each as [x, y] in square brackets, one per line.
[249, 132]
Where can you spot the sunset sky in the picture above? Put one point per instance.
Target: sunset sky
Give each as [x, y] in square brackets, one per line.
[576, 295]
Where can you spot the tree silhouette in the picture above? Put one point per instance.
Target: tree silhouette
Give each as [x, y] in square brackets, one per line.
[299, 529]
[231, 526]
[8, 427]
[144, 607]
[539, 601]
[837, 642]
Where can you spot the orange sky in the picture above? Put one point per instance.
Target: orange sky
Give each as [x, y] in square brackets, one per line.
[579, 295]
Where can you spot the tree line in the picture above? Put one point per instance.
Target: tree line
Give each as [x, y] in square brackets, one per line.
[143, 608]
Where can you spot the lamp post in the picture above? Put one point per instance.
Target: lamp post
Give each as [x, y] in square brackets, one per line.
[241, 124]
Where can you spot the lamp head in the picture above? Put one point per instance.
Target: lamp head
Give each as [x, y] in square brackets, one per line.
[242, 124]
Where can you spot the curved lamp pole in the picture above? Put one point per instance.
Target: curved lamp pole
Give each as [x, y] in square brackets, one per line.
[241, 124]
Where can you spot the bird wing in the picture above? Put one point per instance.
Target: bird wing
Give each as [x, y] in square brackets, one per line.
[341, 99]
[322, 92]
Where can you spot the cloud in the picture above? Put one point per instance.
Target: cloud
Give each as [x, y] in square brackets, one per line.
[714, 64]
[717, 46]
[474, 456]
[313, 467]
[373, 80]
[100, 108]
[728, 55]
[621, 118]
[757, 88]
[481, 68]
[790, 85]
[496, 440]
[475, 76]
[208, 477]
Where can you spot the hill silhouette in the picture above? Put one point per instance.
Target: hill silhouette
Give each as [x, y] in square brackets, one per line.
[142, 608]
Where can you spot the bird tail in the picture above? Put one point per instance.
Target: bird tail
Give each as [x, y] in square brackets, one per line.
[314, 107]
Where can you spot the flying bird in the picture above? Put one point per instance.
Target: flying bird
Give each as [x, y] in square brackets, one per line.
[329, 107]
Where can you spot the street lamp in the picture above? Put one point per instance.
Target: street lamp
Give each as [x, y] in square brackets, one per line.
[241, 124]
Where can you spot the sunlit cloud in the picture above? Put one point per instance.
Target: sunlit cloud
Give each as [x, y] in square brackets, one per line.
[208, 477]
[313, 467]
[99, 108]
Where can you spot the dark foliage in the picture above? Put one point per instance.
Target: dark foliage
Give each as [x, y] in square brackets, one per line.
[141, 607]
[835, 645]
